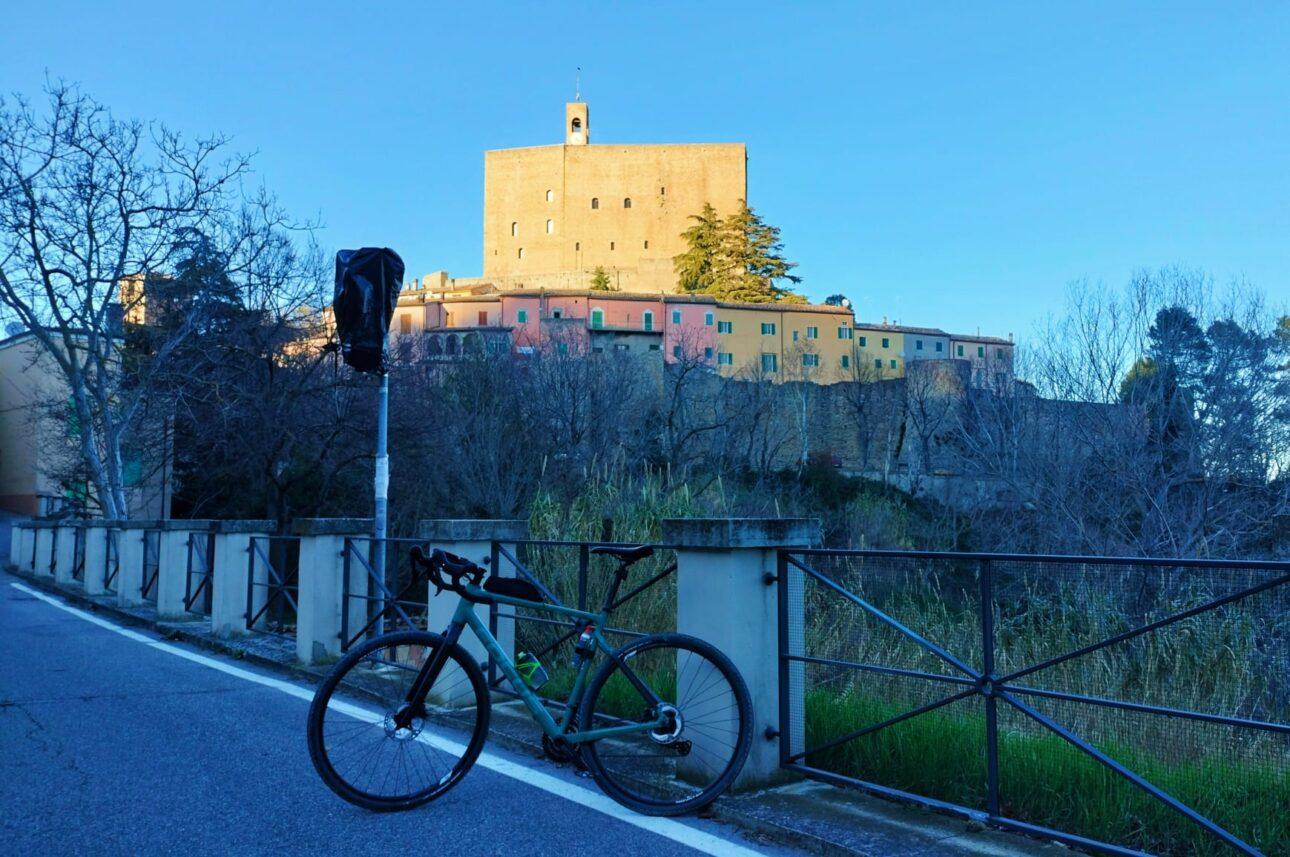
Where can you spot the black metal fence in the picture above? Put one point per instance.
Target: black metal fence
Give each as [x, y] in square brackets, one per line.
[200, 573]
[1126, 705]
[568, 573]
[54, 533]
[78, 553]
[111, 558]
[151, 558]
[393, 599]
[273, 584]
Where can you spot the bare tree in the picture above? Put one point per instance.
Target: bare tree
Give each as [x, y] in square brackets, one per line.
[932, 388]
[801, 374]
[89, 204]
[690, 414]
[1161, 432]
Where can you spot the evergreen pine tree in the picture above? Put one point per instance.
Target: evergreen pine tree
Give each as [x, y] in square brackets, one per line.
[738, 258]
[694, 267]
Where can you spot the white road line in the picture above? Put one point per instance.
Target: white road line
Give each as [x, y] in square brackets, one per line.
[665, 827]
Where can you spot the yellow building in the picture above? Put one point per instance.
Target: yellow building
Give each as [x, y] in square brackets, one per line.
[553, 214]
[785, 342]
[879, 351]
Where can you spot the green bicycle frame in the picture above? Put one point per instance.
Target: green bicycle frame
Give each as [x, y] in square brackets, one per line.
[466, 617]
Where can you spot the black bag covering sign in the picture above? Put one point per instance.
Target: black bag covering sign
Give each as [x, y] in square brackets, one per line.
[367, 289]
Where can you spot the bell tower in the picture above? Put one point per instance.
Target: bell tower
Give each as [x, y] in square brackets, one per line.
[576, 130]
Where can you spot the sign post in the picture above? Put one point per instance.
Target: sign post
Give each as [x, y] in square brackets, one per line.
[367, 290]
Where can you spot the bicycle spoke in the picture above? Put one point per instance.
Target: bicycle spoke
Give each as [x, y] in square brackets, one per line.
[371, 756]
[693, 755]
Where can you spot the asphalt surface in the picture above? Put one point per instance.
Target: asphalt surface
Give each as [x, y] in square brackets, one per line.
[109, 745]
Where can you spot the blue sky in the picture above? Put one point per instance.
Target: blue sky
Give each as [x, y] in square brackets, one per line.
[946, 164]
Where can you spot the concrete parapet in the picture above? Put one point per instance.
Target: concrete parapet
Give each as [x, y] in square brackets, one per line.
[231, 593]
[321, 590]
[172, 574]
[726, 595]
[65, 544]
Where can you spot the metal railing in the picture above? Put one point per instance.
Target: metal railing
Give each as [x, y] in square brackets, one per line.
[78, 553]
[1138, 704]
[568, 573]
[199, 572]
[111, 558]
[151, 564]
[375, 603]
[53, 550]
[273, 584]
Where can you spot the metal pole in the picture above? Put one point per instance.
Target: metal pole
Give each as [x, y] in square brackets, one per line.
[382, 494]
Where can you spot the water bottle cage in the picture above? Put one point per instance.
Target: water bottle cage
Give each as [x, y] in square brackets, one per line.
[459, 570]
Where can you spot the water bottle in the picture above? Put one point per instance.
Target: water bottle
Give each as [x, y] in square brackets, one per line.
[531, 670]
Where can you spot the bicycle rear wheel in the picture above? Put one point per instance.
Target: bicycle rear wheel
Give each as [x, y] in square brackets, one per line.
[686, 764]
[382, 752]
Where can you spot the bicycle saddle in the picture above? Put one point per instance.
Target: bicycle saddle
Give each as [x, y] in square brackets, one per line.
[625, 555]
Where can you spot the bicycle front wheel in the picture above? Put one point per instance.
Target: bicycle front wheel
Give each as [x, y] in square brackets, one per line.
[382, 751]
[686, 763]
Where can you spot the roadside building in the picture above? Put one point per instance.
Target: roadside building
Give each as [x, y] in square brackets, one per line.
[40, 465]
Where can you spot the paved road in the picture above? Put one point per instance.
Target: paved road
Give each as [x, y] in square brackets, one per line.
[116, 743]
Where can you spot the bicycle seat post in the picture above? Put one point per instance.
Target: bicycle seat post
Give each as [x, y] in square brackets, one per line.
[620, 574]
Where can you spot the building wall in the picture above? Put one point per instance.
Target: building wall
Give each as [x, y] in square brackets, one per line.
[989, 357]
[539, 219]
[879, 352]
[929, 341]
[39, 444]
[31, 391]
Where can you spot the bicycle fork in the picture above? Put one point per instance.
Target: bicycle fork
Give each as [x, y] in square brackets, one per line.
[429, 674]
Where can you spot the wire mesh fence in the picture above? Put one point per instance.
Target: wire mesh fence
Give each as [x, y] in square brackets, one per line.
[273, 584]
[1138, 703]
[570, 574]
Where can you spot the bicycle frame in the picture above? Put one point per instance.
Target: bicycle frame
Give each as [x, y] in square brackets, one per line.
[466, 617]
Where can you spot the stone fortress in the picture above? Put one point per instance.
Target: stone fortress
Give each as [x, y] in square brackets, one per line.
[554, 215]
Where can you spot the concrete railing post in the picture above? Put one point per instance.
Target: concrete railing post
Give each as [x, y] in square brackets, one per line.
[97, 534]
[231, 595]
[15, 544]
[172, 575]
[129, 580]
[46, 533]
[26, 556]
[473, 539]
[322, 571]
[65, 552]
[727, 595]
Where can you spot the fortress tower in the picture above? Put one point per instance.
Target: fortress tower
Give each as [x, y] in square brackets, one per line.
[553, 214]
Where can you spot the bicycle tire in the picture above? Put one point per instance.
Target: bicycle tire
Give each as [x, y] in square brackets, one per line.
[641, 791]
[321, 708]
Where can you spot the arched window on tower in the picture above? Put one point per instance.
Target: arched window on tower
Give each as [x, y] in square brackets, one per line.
[515, 229]
[627, 203]
[576, 125]
[550, 227]
[550, 195]
[595, 202]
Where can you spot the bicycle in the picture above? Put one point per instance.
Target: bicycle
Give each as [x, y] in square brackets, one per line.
[663, 726]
